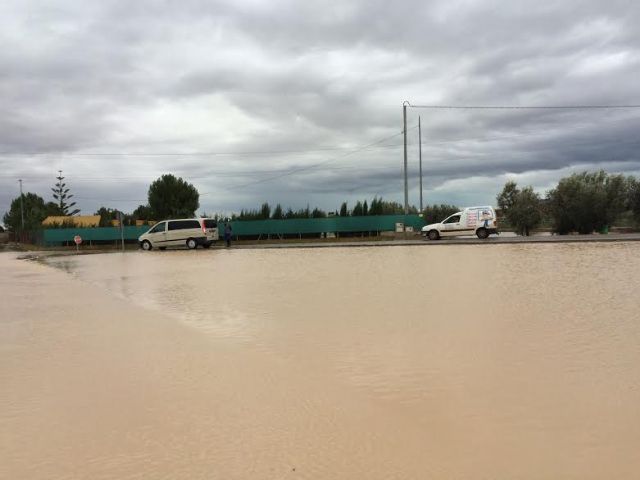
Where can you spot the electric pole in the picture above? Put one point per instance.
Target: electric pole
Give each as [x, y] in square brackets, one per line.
[21, 205]
[406, 181]
[420, 150]
[121, 223]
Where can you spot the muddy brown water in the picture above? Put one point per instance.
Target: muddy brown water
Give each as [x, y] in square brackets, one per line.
[506, 361]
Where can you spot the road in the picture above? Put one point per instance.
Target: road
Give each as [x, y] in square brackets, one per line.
[469, 240]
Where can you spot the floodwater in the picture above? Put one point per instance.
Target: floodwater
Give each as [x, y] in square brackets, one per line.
[503, 361]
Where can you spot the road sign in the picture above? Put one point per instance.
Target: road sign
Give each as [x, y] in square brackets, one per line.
[77, 239]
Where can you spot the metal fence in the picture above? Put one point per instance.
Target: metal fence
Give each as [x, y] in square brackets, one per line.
[302, 226]
[249, 228]
[61, 236]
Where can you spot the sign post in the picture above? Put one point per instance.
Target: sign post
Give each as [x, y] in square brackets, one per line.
[121, 223]
[78, 240]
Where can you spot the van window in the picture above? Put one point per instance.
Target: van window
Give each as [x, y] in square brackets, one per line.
[454, 219]
[158, 228]
[183, 224]
[208, 223]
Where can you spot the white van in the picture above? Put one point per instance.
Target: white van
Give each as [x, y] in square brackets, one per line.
[189, 232]
[480, 221]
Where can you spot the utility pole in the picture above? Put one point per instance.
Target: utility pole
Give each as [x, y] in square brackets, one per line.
[420, 150]
[406, 181]
[21, 205]
[121, 222]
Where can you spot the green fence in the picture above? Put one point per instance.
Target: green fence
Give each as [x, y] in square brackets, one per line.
[58, 236]
[380, 223]
[249, 228]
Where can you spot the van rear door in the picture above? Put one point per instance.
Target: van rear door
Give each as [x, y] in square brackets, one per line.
[211, 228]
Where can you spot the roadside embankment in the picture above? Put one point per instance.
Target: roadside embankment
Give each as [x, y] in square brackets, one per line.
[395, 240]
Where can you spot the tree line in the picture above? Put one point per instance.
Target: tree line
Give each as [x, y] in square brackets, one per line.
[34, 209]
[168, 197]
[172, 197]
[378, 206]
[584, 202]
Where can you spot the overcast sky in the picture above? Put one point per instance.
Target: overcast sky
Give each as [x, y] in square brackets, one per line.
[298, 102]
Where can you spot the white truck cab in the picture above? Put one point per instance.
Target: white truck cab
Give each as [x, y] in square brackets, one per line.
[480, 221]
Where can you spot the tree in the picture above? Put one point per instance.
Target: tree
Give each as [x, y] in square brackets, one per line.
[588, 201]
[265, 211]
[365, 208]
[634, 198]
[437, 213]
[376, 206]
[172, 197]
[507, 197]
[344, 212]
[521, 208]
[317, 213]
[106, 216]
[357, 210]
[35, 211]
[277, 213]
[143, 212]
[62, 196]
[393, 208]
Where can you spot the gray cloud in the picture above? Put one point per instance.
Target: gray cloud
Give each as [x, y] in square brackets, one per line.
[283, 86]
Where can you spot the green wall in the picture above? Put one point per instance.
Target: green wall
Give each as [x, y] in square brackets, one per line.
[381, 223]
[54, 236]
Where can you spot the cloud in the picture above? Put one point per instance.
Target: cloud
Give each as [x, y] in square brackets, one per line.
[234, 95]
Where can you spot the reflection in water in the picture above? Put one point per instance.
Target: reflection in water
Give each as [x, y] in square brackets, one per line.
[511, 356]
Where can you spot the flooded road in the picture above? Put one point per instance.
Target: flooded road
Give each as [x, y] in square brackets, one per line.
[508, 361]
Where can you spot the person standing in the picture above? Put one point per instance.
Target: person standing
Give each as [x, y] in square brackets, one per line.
[228, 232]
[486, 216]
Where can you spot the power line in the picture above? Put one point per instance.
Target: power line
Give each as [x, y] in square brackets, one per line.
[309, 167]
[111, 199]
[524, 107]
[178, 154]
[284, 173]
[213, 173]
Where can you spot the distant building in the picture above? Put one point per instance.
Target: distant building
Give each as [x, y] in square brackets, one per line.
[140, 223]
[76, 220]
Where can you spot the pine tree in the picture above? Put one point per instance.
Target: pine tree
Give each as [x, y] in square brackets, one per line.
[62, 196]
[376, 206]
[277, 213]
[265, 211]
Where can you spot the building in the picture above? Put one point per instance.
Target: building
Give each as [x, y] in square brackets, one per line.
[83, 221]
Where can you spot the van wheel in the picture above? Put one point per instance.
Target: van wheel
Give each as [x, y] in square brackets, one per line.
[146, 245]
[433, 235]
[192, 244]
[482, 233]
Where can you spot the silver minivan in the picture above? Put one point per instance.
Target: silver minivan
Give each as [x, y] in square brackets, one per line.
[188, 232]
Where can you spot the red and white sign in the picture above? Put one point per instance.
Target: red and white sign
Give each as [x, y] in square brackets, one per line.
[77, 239]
